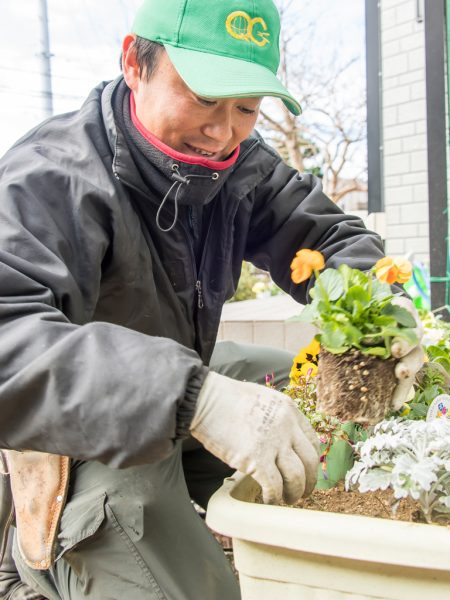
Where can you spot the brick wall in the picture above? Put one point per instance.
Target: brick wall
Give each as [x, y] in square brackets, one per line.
[404, 129]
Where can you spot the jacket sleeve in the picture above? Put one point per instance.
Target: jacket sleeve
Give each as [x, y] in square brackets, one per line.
[292, 212]
[88, 390]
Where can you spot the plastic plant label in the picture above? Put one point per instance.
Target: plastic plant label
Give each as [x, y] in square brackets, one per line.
[439, 408]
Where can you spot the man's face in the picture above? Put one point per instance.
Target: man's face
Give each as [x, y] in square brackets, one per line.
[197, 126]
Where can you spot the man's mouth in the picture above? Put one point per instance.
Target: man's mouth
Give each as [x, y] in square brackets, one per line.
[203, 152]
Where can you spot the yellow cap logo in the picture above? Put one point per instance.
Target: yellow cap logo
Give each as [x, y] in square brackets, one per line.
[240, 26]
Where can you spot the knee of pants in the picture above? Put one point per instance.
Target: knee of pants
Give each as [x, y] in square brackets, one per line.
[251, 362]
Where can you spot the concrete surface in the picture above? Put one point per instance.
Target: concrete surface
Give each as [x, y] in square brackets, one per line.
[264, 322]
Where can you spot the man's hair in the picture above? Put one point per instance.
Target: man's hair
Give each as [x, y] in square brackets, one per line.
[147, 53]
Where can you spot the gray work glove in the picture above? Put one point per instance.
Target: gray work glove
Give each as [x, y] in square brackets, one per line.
[258, 431]
[411, 357]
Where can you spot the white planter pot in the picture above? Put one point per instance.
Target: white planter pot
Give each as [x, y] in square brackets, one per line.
[295, 554]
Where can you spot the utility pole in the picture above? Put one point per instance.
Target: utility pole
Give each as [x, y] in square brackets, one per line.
[45, 55]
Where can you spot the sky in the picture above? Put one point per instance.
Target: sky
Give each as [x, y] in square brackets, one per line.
[85, 38]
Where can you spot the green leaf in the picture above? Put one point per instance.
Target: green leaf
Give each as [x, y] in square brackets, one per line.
[356, 292]
[358, 309]
[346, 273]
[430, 393]
[435, 351]
[354, 335]
[372, 339]
[309, 314]
[383, 321]
[391, 331]
[339, 317]
[380, 290]
[418, 410]
[339, 350]
[401, 315]
[410, 335]
[445, 362]
[337, 307]
[359, 278]
[319, 293]
[375, 351]
[331, 281]
[332, 337]
[323, 307]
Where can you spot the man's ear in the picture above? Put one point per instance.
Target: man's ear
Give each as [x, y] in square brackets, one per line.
[130, 67]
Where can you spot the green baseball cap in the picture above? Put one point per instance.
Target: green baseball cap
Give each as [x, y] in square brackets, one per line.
[220, 48]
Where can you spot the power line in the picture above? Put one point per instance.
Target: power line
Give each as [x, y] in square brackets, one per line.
[30, 72]
[15, 107]
[40, 94]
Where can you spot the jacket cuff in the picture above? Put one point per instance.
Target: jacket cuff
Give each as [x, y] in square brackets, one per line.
[186, 409]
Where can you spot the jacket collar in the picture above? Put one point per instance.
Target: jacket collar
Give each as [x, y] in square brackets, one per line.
[123, 165]
[147, 164]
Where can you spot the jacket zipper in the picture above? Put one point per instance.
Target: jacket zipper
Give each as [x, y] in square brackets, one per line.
[198, 283]
[195, 234]
[198, 287]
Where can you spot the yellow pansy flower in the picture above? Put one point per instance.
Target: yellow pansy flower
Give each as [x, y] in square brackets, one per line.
[309, 369]
[305, 363]
[308, 353]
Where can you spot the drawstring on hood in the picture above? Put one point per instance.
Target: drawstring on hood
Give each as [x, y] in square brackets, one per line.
[180, 180]
[166, 173]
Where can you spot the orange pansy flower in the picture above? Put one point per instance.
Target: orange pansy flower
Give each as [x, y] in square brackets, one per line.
[393, 270]
[404, 270]
[305, 262]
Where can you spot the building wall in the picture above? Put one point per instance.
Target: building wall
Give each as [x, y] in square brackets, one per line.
[404, 129]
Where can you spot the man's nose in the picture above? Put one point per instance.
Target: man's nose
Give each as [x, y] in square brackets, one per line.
[219, 126]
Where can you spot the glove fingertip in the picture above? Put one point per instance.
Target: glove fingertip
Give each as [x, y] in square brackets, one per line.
[291, 498]
[270, 497]
[401, 371]
[399, 349]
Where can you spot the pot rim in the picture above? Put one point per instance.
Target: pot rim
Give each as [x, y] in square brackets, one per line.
[232, 512]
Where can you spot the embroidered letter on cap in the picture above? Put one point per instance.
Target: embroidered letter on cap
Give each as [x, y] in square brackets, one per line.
[240, 26]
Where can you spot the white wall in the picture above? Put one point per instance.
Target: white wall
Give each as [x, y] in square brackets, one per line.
[404, 129]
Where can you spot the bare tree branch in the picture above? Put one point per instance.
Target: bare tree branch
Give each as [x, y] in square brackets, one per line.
[328, 137]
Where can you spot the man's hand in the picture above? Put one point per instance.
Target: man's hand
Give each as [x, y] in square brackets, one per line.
[411, 357]
[258, 431]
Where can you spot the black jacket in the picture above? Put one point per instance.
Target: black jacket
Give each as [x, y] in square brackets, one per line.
[104, 337]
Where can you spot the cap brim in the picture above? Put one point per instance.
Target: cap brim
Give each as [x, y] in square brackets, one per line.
[217, 76]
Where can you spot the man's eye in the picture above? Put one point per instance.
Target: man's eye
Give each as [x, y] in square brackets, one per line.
[247, 111]
[206, 102]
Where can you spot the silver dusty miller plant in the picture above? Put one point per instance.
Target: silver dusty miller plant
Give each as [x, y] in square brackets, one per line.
[410, 457]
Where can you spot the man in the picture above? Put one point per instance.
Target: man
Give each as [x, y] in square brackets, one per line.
[123, 230]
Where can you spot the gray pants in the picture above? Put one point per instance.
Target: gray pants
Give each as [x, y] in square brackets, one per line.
[133, 534]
